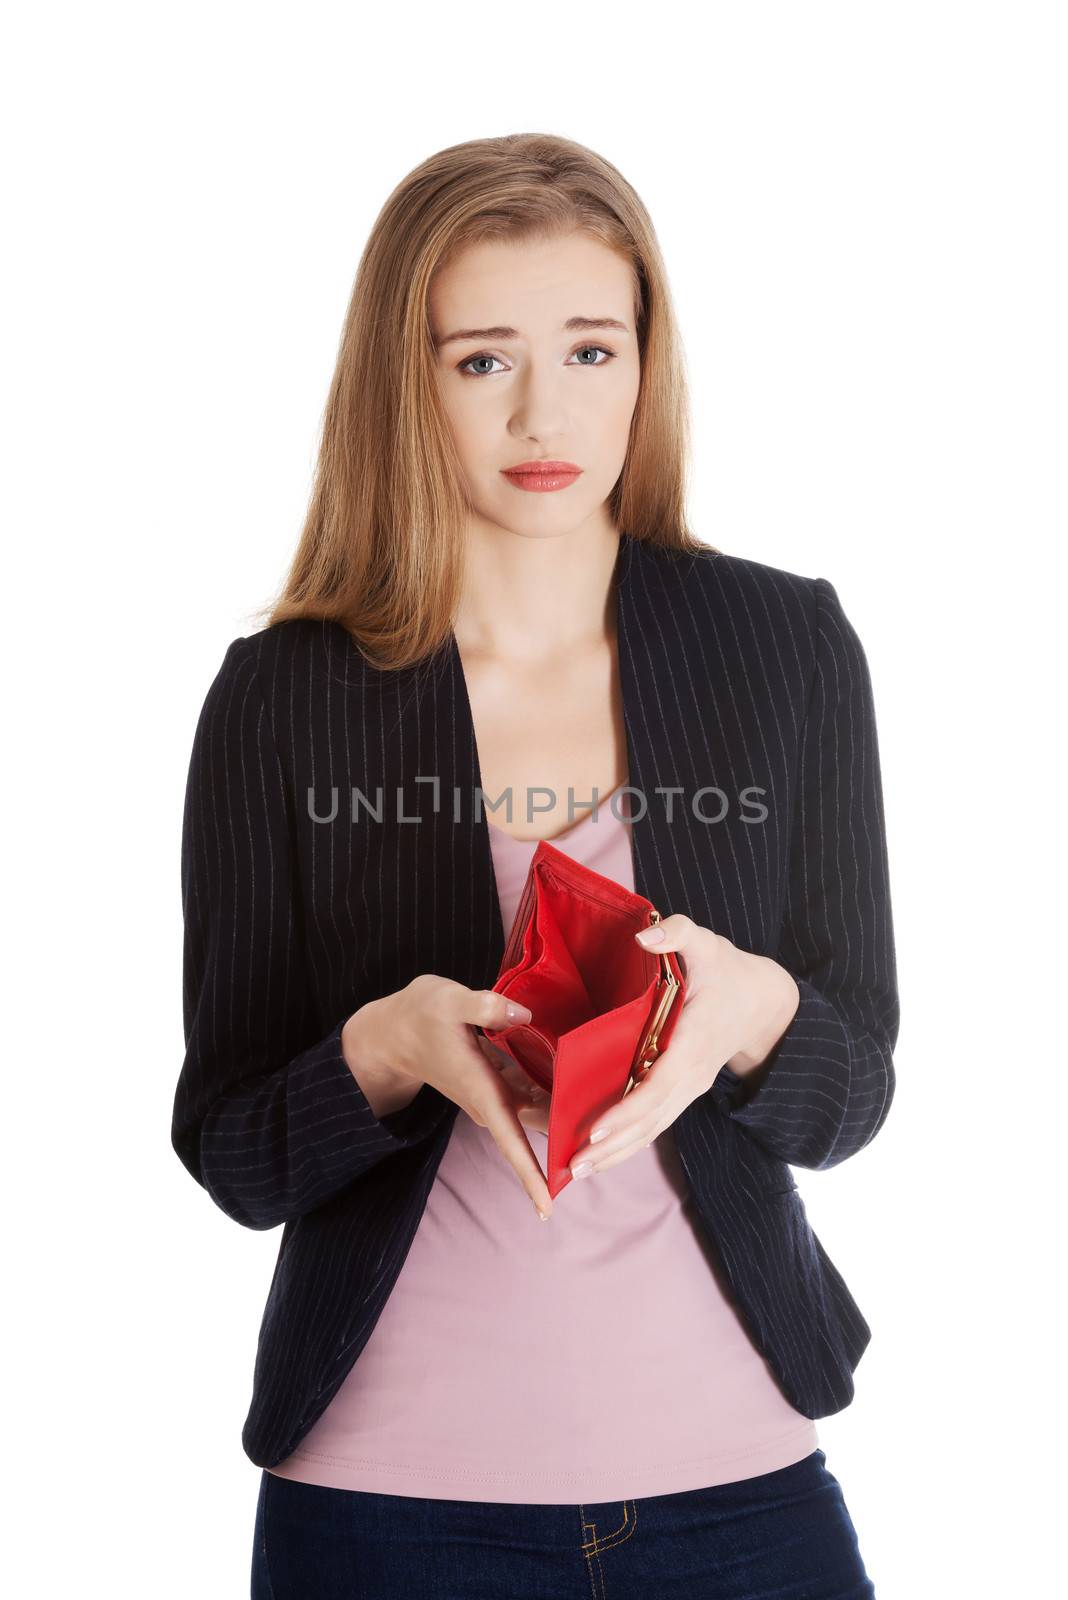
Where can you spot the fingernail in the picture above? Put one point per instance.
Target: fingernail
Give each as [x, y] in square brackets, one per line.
[583, 1168]
[598, 1134]
[543, 1215]
[651, 935]
[518, 1013]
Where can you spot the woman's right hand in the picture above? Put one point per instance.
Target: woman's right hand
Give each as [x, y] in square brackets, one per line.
[423, 1034]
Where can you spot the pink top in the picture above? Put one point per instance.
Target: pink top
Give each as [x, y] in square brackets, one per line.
[589, 1358]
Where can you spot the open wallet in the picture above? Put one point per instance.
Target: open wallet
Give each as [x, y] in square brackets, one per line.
[602, 1007]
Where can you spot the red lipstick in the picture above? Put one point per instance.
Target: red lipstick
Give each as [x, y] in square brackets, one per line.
[542, 476]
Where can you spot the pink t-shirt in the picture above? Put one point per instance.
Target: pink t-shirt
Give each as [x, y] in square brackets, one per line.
[593, 1357]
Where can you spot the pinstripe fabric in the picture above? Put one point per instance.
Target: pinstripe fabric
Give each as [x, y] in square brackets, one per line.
[735, 675]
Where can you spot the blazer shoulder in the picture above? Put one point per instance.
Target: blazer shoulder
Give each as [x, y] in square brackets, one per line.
[769, 607]
[290, 654]
[276, 668]
[791, 612]
[742, 575]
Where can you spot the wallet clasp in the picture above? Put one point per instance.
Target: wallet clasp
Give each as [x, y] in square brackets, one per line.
[648, 1045]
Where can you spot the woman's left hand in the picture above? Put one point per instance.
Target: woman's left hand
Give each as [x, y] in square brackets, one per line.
[737, 1008]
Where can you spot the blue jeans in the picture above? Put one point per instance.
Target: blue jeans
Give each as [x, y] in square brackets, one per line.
[784, 1532]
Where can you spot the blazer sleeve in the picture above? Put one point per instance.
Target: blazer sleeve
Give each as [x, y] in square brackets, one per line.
[825, 1090]
[271, 1122]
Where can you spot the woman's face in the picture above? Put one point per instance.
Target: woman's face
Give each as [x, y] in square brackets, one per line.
[526, 375]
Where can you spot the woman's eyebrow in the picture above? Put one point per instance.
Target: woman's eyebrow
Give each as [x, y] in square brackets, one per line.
[573, 324]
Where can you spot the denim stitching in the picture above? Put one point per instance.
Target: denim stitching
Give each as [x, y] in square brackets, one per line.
[590, 1552]
[621, 1534]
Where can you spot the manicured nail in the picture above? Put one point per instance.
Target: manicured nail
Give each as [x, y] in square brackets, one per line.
[544, 1215]
[598, 1134]
[650, 935]
[583, 1168]
[518, 1013]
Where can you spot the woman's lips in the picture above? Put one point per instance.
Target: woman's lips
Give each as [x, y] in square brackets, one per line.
[542, 476]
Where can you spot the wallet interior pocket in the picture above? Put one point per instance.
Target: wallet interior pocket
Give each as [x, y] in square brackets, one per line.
[590, 930]
[533, 1048]
[552, 985]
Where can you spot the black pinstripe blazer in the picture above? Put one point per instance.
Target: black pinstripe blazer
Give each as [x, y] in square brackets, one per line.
[735, 675]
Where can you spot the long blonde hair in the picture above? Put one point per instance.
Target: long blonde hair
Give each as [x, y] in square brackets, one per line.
[382, 544]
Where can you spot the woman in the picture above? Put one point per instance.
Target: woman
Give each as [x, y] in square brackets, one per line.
[496, 595]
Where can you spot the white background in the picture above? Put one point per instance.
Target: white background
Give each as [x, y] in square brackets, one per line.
[862, 212]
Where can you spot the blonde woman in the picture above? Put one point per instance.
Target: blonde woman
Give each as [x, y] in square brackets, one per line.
[498, 628]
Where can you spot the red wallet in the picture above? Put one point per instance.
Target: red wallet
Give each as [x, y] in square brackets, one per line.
[603, 1008]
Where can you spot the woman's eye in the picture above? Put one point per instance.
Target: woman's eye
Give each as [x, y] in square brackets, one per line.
[595, 348]
[487, 371]
[471, 361]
